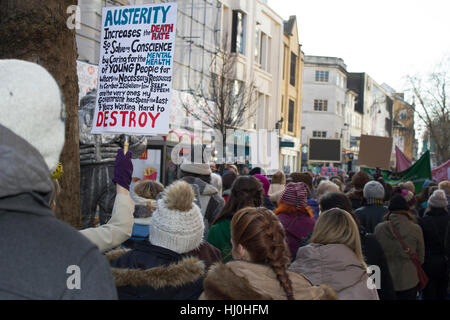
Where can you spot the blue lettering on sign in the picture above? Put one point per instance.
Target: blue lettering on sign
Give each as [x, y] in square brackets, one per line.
[136, 15]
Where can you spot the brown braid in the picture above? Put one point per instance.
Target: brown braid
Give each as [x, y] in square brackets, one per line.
[260, 232]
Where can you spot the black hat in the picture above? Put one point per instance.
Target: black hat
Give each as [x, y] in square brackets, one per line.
[398, 202]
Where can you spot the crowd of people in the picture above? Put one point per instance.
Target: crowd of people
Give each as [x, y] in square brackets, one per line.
[234, 235]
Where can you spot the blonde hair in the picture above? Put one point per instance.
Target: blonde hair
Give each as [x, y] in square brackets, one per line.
[445, 185]
[148, 189]
[325, 187]
[338, 226]
[278, 178]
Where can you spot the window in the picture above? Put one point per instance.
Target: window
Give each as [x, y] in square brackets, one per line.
[257, 44]
[238, 32]
[322, 76]
[263, 51]
[291, 116]
[293, 68]
[285, 56]
[320, 105]
[319, 134]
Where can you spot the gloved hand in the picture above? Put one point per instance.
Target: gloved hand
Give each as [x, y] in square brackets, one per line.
[123, 169]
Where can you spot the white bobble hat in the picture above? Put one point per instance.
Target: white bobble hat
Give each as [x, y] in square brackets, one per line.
[177, 223]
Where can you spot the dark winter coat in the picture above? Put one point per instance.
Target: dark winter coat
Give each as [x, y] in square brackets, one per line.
[374, 256]
[206, 253]
[36, 248]
[268, 204]
[150, 272]
[434, 226]
[356, 198]
[370, 216]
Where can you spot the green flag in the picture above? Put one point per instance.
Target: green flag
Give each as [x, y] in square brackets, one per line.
[417, 173]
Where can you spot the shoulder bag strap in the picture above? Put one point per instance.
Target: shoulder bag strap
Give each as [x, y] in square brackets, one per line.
[404, 246]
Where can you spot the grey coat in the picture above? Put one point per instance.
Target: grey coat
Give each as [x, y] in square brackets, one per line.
[38, 251]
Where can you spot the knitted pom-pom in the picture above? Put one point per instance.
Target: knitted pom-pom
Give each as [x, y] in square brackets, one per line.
[179, 196]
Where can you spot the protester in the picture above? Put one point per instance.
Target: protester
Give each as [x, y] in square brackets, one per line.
[403, 271]
[144, 196]
[326, 186]
[119, 228]
[373, 211]
[247, 191]
[434, 226]
[339, 182]
[36, 247]
[356, 194]
[445, 185]
[307, 179]
[256, 170]
[158, 269]
[277, 186]
[266, 185]
[372, 252]
[211, 202]
[334, 257]
[294, 214]
[227, 181]
[420, 210]
[216, 182]
[408, 185]
[259, 271]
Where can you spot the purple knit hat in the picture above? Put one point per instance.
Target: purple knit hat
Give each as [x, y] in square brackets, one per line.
[295, 194]
[265, 183]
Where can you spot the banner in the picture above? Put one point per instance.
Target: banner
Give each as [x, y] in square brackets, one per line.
[442, 172]
[402, 161]
[417, 173]
[135, 69]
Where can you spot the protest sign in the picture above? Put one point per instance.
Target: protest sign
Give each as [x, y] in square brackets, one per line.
[375, 152]
[87, 77]
[135, 69]
[417, 173]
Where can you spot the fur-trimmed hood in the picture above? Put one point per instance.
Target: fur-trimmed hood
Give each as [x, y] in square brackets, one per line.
[188, 270]
[241, 280]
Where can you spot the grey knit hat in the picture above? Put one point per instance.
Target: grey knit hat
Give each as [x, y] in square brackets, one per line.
[196, 168]
[373, 190]
[438, 199]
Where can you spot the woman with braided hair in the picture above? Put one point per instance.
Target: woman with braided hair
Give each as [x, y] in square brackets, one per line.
[260, 266]
[246, 191]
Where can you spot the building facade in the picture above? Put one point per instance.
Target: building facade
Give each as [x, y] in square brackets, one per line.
[291, 98]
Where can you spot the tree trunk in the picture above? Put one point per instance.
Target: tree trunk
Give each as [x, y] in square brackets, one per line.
[36, 31]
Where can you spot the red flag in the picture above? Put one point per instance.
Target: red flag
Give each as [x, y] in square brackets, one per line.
[403, 162]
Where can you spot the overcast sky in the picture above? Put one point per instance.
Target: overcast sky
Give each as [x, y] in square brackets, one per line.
[388, 39]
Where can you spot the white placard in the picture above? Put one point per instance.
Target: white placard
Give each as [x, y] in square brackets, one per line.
[135, 69]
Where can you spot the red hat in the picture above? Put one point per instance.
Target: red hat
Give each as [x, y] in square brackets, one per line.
[295, 194]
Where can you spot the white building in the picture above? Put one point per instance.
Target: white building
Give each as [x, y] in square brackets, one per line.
[325, 99]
